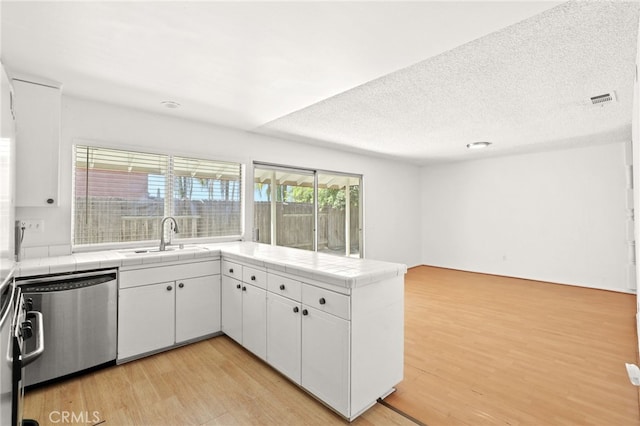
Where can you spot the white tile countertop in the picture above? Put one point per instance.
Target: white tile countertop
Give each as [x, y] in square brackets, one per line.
[332, 269]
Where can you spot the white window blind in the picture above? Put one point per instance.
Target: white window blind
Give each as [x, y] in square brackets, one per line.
[121, 196]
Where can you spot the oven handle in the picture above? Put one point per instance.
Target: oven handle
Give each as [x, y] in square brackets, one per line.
[35, 354]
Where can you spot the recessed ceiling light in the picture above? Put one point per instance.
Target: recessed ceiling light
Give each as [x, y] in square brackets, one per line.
[170, 104]
[478, 145]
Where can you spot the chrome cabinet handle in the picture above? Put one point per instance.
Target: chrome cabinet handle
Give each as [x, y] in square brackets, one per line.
[32, 356]
[169, 288]
[181, 285]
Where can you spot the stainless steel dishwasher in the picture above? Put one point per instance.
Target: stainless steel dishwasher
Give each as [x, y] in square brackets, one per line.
[80, 321]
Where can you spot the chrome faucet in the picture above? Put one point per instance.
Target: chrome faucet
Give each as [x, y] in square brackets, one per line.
[174, 228]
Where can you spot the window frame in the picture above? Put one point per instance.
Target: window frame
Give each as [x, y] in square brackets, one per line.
[315, 173]
[168, 203]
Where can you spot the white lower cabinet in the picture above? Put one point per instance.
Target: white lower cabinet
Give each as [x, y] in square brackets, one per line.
[254, 319]
[325, 358]
[160, 307]
[197, 307]
[244, 308]
[309, 346]
[146, 319]
[344, 345]
[232, 308]
[284, 334]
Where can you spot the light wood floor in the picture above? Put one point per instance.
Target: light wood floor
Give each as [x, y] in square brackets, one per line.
[479, 349]
[213, 382]
[482, 349]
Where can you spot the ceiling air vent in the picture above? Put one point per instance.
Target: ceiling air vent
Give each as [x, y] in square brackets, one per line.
[604, 98]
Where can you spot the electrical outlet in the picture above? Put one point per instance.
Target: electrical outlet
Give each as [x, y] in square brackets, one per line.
[33, 225]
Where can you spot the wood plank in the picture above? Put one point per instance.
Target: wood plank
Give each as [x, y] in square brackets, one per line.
[213, 382]
[483, 349]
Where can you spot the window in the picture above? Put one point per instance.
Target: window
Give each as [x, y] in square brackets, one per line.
[308, 209]
[121, 196]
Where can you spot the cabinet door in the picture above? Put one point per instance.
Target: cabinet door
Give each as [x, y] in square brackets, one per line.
[283, 335]
[37, 110]
[325, 358]
[232, 308]
[146, 319]
[254, 319]
[197, 307]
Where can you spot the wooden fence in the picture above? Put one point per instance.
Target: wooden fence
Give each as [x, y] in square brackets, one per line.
[295, 226]
[113, 220]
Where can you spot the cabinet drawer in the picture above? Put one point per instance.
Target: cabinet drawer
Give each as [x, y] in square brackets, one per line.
[327, 301]
[284, 286]
[159, 274]
[254, 276]
[231, 269]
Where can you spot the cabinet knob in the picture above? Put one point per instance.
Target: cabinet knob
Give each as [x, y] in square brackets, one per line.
[322, 301]
[169, 288]
[231, 270]
[253, 277]
[244, 288]
[49, 200]
[305, 312]
[181, 285]
[295, 309]
[281, 286]
[238, 286]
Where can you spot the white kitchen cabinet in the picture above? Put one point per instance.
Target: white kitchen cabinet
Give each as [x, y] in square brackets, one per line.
[254, 319]
[38, 113]
[197, 312]
[342, 345]
[232, 308]
[162, 306]
[307, 341]
[342, 341]
[325, 357]
[284, 333]
[146, 319]
[244, 310]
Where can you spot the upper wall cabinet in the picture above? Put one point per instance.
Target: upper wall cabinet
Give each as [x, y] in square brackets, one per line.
[38, 112]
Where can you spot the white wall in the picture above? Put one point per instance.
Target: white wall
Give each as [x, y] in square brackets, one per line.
[390, 188]
[558, 216]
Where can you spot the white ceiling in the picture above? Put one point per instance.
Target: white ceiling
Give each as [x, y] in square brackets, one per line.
[412, 80]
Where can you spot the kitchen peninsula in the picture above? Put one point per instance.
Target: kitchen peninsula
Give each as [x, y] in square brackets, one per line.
[331, 324]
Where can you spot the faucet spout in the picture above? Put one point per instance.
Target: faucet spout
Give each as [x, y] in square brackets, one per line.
[174, 228]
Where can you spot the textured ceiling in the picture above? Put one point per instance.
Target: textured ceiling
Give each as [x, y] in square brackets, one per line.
[411, 80]
[524, 88]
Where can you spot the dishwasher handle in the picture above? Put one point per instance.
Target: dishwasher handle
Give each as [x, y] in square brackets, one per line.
[35, 354]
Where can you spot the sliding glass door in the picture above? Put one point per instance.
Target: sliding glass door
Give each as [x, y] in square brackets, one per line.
[308, 209]
[339, 214]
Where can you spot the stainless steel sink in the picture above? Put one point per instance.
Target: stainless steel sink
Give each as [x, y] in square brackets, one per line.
[156, 250]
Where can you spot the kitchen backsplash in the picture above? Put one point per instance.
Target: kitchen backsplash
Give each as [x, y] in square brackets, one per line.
[45, 251]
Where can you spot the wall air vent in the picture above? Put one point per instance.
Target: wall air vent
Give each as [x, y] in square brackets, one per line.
[604, 98]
